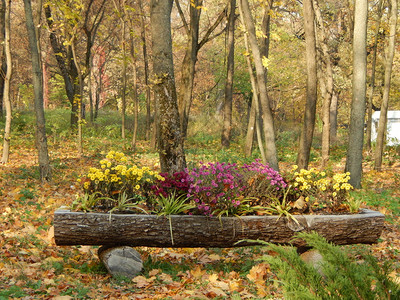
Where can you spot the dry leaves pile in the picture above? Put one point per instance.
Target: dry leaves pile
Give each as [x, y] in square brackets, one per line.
[33, 267]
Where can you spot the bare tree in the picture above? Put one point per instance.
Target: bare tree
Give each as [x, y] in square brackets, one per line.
[356, 131]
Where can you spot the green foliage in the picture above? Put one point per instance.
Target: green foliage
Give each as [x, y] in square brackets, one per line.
[337, 277]
[384, 198]
[172, 205]
[12, 292]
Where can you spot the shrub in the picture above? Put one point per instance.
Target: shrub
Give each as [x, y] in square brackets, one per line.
[337, 277]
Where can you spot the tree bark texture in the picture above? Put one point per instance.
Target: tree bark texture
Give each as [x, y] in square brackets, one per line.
[311, 98]
[368, 132]
[3, 67]
[79, 228]
[6, 90]
[134, 92]
[189, 64]
[146, 69]
[356, 131]
[268, 122]
[41, 139]
[255, 113]
[66, 65]
[227, 123]
[382, 125]
[171, 152]
[327, 78]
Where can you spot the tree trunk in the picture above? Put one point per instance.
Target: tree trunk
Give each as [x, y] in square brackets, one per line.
[372, 83]
[189, 64]
[333, 117]
[79, 228]
[380, 140]
[255, 113]
[146, 70]
[311, 100]
[7, 79]
[356, 131]
[268, 123]
[41, 139]
[327, 77]
[171, 152]
[3, 67]
[134, 91]
[248, 147]
[68, 70]
[78, 100]
[227, 123]
[124, 76]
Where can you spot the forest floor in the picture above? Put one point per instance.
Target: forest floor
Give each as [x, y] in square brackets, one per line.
[33, 267]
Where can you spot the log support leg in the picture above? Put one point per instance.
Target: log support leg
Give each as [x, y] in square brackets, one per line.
[121, 260]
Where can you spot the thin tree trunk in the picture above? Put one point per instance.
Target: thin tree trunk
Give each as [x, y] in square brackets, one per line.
[380, 140]
[135, 96]
[255, 113]
[146, 70]
[78, 100]
[3, 68]
[124, 77]
[327, 77]
[227, 123]
[268, 124]
[171, 152]
[248, 147]
[356, 131]
[333, 117]
[41, 139]
[372, 83]
[311, 99]
[90, 90]
[6, 93]
[189, 64]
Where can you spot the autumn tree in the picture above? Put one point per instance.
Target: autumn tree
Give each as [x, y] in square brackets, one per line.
[227, 122]
[356, 131]
[41, 139]
[7, 79]
[311, 98]
[3, 63]
[194, 44]
[386, 89]
[170, 141]
[268, 123]
[373, 75]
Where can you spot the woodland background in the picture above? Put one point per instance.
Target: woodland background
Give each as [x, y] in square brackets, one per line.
[106, 50]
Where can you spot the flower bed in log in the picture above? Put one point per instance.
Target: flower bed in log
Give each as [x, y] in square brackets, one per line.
[82, 228]
[211, 205]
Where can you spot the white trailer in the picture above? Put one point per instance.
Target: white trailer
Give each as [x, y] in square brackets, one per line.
[392, 130]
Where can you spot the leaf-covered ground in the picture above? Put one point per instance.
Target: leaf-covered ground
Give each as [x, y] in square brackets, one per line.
[33, 267]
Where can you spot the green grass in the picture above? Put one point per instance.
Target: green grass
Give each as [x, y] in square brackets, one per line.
[382, 199]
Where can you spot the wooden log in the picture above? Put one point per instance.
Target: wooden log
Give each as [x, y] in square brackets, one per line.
[79, 228]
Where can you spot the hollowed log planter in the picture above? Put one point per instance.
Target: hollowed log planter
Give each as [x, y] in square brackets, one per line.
[79, 228]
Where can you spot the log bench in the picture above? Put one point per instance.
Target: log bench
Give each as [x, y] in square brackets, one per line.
[184, 231]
